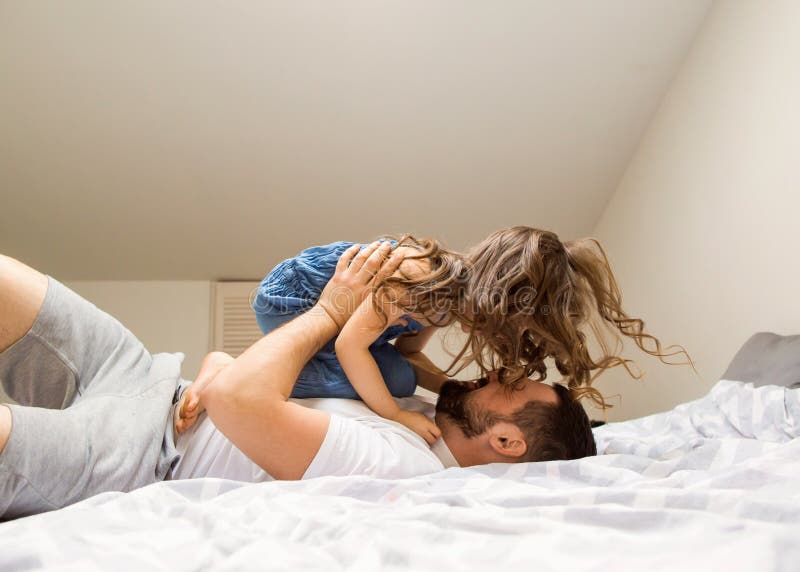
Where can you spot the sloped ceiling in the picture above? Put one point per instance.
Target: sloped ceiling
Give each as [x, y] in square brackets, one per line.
[208, 140]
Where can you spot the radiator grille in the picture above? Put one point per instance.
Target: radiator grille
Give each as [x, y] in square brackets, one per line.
[235, 328]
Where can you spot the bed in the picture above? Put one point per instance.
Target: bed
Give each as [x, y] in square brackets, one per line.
[713, 484]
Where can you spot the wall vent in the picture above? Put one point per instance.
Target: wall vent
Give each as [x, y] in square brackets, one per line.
[234, 327]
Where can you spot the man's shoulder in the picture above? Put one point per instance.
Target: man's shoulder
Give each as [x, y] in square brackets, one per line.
[359, 442]
[353, 408]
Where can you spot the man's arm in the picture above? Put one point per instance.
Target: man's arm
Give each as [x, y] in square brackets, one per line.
[247, 400]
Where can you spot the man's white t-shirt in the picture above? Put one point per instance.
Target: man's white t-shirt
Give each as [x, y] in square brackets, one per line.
[358, 442]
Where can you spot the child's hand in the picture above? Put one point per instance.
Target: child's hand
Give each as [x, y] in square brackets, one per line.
[419, 424]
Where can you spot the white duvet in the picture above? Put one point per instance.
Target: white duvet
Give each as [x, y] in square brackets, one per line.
[712, 485]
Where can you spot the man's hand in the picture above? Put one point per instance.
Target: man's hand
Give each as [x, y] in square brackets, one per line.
[419, 424]
[355, 274]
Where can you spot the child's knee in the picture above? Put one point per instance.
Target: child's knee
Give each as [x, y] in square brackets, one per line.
[398, 374]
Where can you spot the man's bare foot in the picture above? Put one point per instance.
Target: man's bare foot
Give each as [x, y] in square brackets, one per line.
[190, 405]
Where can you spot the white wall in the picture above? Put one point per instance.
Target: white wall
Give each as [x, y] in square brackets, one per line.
[206, 140]
[703, 230]
[168, 316]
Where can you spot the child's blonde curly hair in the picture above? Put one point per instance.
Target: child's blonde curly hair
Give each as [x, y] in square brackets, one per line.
[534, 297]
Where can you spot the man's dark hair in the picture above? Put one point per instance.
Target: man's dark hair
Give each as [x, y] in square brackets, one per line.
[555, 432]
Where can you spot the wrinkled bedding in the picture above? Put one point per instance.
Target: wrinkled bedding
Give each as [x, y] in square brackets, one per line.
[712, 485]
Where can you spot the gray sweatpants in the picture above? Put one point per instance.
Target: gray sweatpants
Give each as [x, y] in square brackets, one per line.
[94, 411]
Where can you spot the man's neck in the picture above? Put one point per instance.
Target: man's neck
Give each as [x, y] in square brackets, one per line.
[441, 449]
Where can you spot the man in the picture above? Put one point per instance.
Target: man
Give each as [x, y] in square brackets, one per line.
[95, 407]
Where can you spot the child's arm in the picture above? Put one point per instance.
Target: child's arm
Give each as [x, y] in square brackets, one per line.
[428, 375]
[414, 342]
[352, 349]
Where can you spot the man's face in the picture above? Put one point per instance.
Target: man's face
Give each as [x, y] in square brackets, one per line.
[474, 406]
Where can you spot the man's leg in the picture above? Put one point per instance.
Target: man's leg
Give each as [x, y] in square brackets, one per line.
[57, 345]
[5, 426]
[22, 291]
[64, 352]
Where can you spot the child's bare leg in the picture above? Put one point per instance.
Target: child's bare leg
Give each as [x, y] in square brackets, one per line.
[190, 407]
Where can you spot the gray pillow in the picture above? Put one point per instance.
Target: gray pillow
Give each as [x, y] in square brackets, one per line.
[767, 359]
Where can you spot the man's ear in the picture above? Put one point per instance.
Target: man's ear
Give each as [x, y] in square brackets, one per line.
[507, 440]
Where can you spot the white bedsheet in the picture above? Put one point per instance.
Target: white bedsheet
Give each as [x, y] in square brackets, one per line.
[711, 485]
